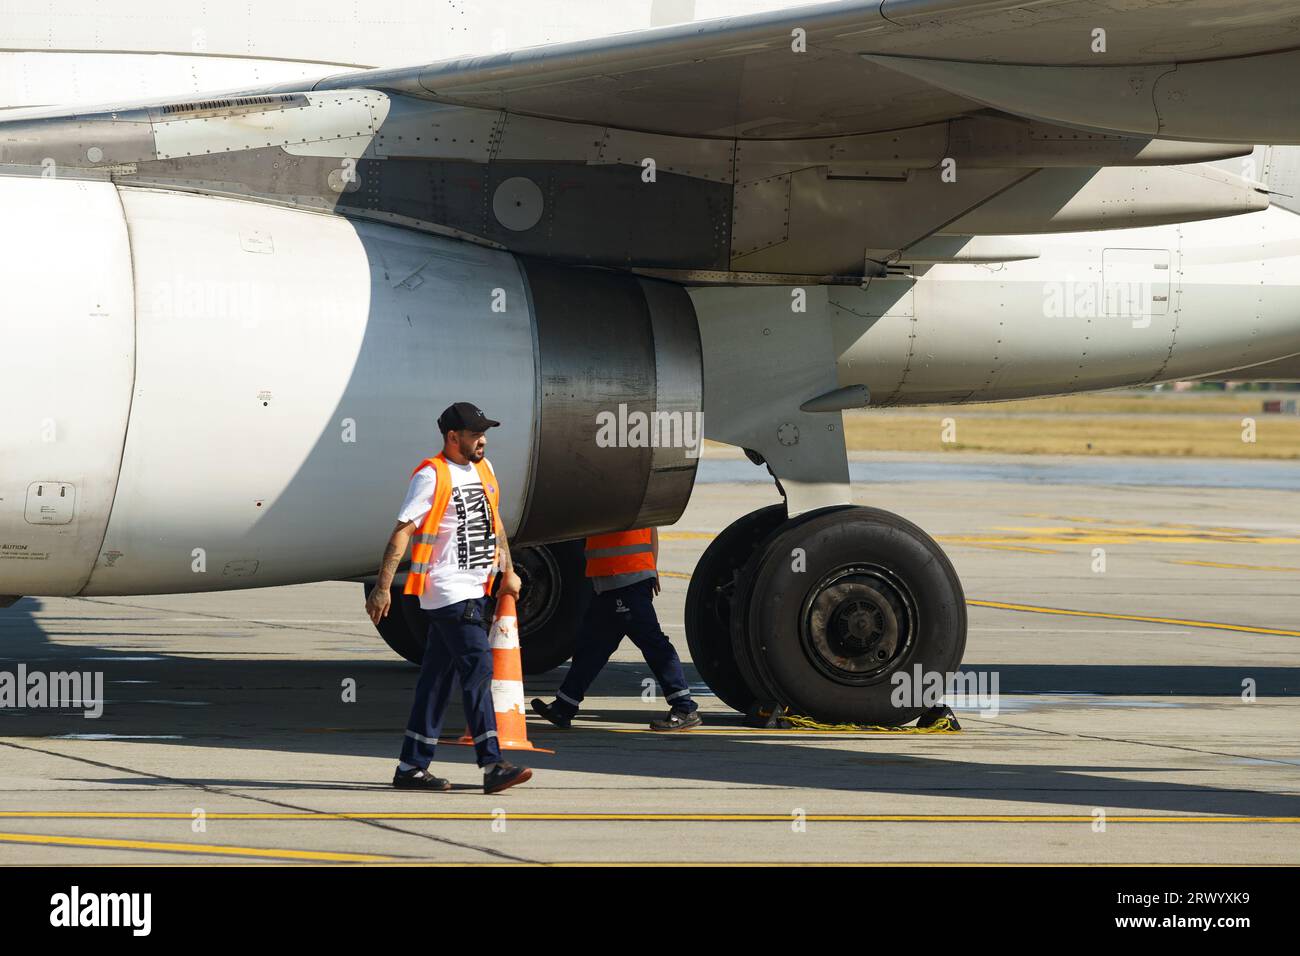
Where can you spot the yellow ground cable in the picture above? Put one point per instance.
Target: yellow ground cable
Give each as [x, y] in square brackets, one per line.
[944, 725]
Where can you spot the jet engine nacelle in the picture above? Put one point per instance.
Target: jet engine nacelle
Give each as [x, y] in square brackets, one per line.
[1091, 311]
[203, 394]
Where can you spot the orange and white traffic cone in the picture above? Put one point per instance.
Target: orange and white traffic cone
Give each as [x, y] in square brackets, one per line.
[507, 681]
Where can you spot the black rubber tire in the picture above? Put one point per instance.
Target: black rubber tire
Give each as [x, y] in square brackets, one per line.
[547, 643]
[708, 604]
[774, 596]
[403, 629]
[543, 644]
[742, 647]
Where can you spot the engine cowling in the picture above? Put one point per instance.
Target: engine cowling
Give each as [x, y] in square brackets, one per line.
[239, 392]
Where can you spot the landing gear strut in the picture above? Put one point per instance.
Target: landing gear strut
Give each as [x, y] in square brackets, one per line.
[818, 612]
[550, 607]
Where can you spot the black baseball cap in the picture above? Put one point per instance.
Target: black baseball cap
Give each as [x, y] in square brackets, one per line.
[464, 416]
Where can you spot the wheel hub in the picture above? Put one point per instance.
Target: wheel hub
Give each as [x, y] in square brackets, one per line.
[858, 621]
[539, 592]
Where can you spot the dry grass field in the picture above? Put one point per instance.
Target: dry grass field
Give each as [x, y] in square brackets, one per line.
[1202, 424]
[1184, 424]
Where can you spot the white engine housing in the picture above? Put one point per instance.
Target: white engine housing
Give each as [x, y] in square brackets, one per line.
[205, 393]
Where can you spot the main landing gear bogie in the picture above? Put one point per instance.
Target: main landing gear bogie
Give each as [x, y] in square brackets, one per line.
[818, 612]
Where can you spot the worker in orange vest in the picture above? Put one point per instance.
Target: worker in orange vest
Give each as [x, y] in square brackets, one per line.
[451, 509]
[623, 573]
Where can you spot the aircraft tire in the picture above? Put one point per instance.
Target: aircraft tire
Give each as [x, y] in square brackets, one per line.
[837, 601]
[402, 629]
[551, 603]
[708, 604]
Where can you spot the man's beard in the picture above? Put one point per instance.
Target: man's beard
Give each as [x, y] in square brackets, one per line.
[475, 454]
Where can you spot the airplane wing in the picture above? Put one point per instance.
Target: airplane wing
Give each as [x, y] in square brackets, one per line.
[823, 140]
[1174, 69]
[1180, 69]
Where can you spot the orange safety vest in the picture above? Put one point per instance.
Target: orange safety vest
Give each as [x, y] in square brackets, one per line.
[422, 547]
[620, 553]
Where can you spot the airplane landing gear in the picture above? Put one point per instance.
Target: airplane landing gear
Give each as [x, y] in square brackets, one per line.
[709, 599]
[550, 607]
[402, 630]
[552, 600]
[821, 610]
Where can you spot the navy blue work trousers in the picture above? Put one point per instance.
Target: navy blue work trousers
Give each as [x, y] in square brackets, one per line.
[611, 616]
[456, 645]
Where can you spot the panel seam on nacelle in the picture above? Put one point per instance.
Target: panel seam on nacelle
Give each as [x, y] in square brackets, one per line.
[1176, 295]
[654, 388]
[535, 432]
[130, 399]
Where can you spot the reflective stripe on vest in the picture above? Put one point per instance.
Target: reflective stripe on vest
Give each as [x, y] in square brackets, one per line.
[619, 553]
[422, 543]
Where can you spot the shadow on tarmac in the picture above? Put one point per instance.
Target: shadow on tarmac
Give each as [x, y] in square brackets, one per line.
[296, 706]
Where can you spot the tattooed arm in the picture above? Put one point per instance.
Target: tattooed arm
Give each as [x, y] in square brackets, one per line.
[377, 604]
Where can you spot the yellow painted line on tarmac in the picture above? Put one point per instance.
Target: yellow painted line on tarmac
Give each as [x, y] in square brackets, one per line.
[1131, 522]
[573, 817]
[1119, 532]
[1016, 547]
[319, 856]
[1067, 535]
[753, 731]
[674, 574]
[1239, 567]
[1210, 625]
[1035, 609]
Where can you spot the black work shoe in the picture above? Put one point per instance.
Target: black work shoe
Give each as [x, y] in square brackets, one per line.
[677, 720]
[418, 779]
[504, 776]
[542, 709]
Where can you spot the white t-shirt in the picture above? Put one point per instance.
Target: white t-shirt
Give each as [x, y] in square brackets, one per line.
[465, 548]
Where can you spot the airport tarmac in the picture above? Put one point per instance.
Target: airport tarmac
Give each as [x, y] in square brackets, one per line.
[1124, 731]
